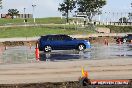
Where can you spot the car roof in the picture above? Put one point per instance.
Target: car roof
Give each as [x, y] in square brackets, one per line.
[52, 35]
[129, 34]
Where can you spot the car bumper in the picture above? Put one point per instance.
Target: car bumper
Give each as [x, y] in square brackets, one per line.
[88, 46]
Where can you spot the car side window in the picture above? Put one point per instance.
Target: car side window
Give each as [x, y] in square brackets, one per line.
[60, 38]
[44, 38]
[66, 37]
[55, 38]
[50, 38]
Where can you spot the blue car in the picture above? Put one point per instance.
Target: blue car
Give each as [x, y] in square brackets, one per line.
[61, 42]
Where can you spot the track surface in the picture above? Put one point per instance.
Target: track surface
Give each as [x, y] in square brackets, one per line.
[38, 72]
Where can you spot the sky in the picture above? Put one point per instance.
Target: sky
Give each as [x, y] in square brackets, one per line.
[49, 8]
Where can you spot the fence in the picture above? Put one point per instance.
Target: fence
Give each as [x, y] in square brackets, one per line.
[109, 18]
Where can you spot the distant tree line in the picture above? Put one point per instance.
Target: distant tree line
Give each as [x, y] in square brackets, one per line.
[90, 7]
[125, 19]
[13, 12]
[1, 4]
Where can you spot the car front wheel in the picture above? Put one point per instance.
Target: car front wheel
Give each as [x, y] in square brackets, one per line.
[81, 47]
[47, 48]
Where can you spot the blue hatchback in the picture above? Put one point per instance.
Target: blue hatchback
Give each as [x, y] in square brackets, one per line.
[61, 42]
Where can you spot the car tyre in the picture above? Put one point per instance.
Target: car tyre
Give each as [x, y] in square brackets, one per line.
[47, 48]
[81, 47]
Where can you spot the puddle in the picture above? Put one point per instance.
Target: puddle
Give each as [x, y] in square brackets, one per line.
[23, 54]
[111, 51]
[18, 54]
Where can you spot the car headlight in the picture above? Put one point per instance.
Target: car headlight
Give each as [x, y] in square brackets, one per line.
[88, 42]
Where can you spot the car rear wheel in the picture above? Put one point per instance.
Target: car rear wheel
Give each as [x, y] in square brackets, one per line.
[47, 48]
[81, 47]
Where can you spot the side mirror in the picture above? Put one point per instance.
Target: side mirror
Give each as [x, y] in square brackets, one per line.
[74, 38]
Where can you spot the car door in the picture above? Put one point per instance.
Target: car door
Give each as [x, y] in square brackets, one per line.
[68, 42]
[56, 42]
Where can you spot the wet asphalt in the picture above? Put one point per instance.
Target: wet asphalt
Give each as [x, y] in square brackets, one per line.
[24, 54]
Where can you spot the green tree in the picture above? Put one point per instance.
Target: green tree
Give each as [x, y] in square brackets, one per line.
[66, 6]
[1, 4]
[90, 7]
[13, 12]
[130, 16]
[123, 20]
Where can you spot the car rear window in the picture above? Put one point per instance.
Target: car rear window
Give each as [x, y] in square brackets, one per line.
[43, 38]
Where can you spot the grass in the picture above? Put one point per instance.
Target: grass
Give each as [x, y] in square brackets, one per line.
[52, 25]
[120, 29]
[37, 31]
[53, 20]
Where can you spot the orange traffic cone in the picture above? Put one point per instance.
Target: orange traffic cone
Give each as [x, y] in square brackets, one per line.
[106, 42]
[84, 73]
[120, 42]
[131, 42]
[30, 45]
[84, 80]
[37, 52]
